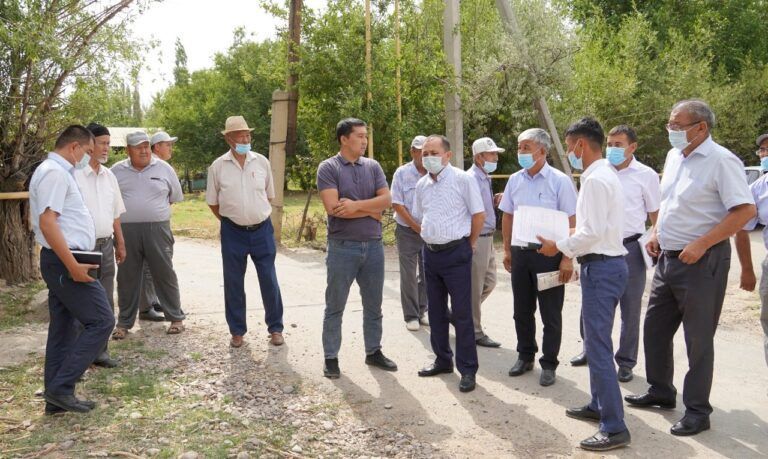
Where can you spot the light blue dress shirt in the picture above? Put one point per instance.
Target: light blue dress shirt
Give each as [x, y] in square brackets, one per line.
[484, 185]
[759, 189]
[697, 192]
[53, 186]
[549, 188]
[404, 188]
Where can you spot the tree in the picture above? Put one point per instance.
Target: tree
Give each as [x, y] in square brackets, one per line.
[180, 72]
[43, 49]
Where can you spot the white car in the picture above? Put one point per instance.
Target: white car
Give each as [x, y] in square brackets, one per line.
[753, 173]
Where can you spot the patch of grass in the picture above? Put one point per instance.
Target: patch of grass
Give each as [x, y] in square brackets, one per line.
[15, 308]
[196, 356]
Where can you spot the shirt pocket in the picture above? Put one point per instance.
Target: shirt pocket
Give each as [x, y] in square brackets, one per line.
[158, 186]
[257, 181]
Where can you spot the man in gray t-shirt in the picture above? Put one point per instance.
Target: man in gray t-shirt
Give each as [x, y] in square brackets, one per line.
[354, 193]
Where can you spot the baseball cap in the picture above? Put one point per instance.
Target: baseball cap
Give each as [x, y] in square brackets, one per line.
[761, 139]
[162, 136]
[418, 142]
[136, 138]
[484, 144]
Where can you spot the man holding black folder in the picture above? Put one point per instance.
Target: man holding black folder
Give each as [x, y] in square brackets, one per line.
[61, 223]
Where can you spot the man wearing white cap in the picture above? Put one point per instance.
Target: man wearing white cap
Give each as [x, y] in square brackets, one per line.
[239, 191]
[485, 155]
[413, 293]
[162, 145]
[149, 186]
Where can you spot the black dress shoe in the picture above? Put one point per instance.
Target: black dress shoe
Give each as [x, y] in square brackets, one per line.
[157, 307]
[434, 369]
[520, 367]
[689, 426]
[151, 315]
[580, 360]
[331, 369]
[650, 401]
[66, 403]
[106, 362]
[51, 409]
[583, 412]
[378, 360]
[604, 441]
[485, 341]
[625, 374]
[547, 377]
[86, 403]
[467, 383]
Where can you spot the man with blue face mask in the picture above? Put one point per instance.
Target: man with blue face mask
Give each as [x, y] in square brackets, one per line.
[642, 197]
[485, 154]
[704, 201]
[537, 184]
[239, 191]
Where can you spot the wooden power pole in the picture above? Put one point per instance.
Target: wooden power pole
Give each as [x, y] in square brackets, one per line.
[292, 79]
[454, 118]
[398, 94]
[545, 118]
[369, 73]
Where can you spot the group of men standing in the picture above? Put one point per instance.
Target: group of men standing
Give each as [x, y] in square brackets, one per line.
[445, 225]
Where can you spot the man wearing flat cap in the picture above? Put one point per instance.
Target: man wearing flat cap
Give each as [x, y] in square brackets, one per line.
[239, 191]
[149, 186]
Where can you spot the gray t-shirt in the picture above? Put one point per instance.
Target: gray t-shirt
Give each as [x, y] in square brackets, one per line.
[147, 193]
[356, 181]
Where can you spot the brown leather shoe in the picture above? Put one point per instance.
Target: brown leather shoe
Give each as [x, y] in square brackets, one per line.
[276, 339]
[236, 341]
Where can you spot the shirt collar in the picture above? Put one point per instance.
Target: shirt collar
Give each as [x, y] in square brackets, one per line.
[703, 149]
[593, 167]
[444, 174]
[61, 161]
[411, 166]
[231, 157]
[480, 172]
[88, 170]
[152, 162]
[345, 161]
[633, 165]
[544, 172]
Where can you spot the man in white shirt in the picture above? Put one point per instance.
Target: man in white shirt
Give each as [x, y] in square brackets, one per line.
[642, 198]
[597, 246]
[450, 209]
[410, 246]
[102, 197]
[239, 191]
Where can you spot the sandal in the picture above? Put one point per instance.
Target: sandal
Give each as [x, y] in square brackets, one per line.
[120, 333]
[175, 329]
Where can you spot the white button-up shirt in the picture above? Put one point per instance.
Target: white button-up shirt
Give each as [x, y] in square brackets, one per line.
[102, 197]
[445, 206]
[404, 188]
[484, 185]
[53, 187]
[242, 193]
[642, 195]
[599, 214]
[697, 192]
[759, 189]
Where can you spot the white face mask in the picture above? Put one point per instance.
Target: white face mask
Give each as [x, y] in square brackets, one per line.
[83, 162]
[433, 164]
[678, 139]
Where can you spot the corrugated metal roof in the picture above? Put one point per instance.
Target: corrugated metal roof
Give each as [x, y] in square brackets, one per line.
[117, 134]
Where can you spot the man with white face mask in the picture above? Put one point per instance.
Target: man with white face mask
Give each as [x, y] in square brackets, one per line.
[451, 212]
[485, 154]
[537, 184]
[704, 201]
[239, 191]
[104, 201]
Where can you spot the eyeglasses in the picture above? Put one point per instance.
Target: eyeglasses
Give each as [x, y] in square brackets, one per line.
[762, 151]
[675, 127]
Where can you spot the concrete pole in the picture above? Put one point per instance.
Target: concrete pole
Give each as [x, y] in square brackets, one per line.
[369, 73]
[278, 132]
[398, 94]
[454, 118]
[292, 79]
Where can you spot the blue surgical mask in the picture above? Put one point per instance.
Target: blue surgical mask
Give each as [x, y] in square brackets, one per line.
[489, 167]
[615, 155]
[764, 163]
[575, 162]
[678, 139]
[433, 164]
[242, 148]
[83, 162]
[525, 160]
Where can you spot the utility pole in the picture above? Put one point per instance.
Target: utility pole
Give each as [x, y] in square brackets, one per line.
[292, 79]
[398, 94]
[278, 131]
[545, 118]
[369, 73]
[454, 118]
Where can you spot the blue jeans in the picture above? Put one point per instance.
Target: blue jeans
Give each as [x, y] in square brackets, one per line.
[349, 261]
[236, 246]
[602, 284]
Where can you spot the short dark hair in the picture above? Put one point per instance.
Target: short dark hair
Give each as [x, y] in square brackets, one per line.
[345, 127]
[74, 133]
[589, 129]
[443, 139]
[97, 129]
[626, 130]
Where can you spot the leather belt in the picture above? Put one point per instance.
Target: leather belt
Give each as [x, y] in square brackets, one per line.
[446, 246]
[103, 240]
[590, 257]
[676, 253]
[244, 228]
[524, 249]
[632, 238]
[487, 234]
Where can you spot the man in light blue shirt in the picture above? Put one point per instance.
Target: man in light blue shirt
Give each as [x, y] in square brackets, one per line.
[704, 201]
[61, 223]
[413, 292]
[537, 184]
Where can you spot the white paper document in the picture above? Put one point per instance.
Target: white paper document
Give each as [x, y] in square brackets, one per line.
[530, 222]
[642, 241]
[545, 281]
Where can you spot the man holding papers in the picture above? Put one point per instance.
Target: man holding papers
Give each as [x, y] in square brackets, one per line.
[597, 246]
[642, 197]
[539, 185]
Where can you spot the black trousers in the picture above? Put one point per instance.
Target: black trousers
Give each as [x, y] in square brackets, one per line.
[525, 265]
[692, 295]
[67, 354]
